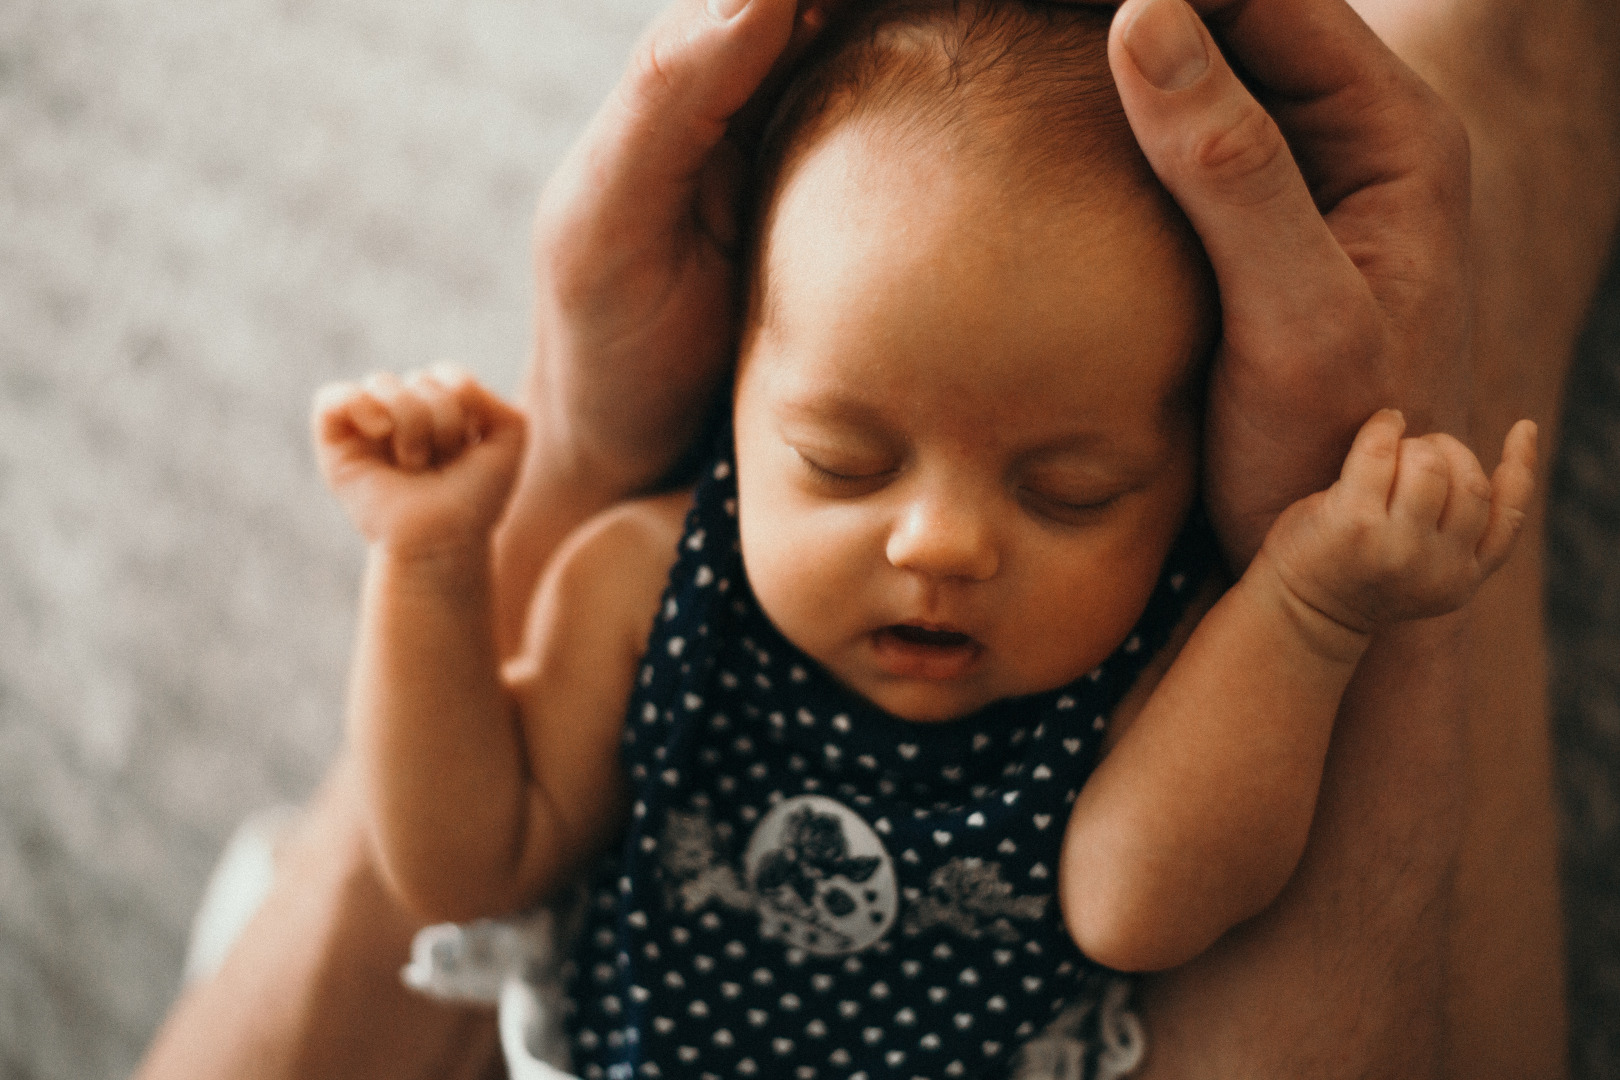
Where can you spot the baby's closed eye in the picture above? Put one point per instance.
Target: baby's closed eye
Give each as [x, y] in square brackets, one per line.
[845, 470]
[1071, 492]
[1067, 507]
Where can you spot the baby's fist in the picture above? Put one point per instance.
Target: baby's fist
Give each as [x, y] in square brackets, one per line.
[422, 464]
[1410, 530]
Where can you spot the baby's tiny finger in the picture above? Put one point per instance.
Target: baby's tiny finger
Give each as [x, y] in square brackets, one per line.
[343, 408]
[413, 424]
[470, 395]
[495, 417]
[1468, 503]
[1368, 475]
[450, 422]
[370, 417]
[452, 377]
[1513, 485]
[1422, 480]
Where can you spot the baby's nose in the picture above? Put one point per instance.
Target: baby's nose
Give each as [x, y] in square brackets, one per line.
[945, 537]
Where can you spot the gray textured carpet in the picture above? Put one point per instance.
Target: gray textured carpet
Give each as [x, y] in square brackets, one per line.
[208, 207]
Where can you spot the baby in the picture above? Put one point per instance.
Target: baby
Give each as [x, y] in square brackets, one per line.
[831, 776]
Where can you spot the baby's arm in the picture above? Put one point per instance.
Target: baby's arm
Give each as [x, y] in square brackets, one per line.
[1197, 818]
[482, 788]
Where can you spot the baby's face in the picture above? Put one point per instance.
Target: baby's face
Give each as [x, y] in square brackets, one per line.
[962, 454]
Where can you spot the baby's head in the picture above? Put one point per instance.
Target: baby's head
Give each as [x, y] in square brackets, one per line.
[967, 398]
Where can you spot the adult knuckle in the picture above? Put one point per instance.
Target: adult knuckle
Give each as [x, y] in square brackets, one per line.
[570, 273]
[1346, 333]
[655, 70]
[1455, 151]
[1246, 156]
[1443, 137]
[1333, 334]
[1439, 158]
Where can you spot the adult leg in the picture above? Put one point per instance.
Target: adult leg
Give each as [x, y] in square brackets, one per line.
[1432, 866]
[312, 989]
[1538, 85]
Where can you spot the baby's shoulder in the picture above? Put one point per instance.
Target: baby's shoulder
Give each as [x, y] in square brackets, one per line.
[629, 546]
[611, 571]
[628, 534]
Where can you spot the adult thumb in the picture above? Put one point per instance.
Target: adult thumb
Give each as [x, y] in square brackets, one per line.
[1227, 164]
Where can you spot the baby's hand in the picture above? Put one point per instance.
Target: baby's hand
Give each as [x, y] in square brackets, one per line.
[424, 464]
[1411, 528]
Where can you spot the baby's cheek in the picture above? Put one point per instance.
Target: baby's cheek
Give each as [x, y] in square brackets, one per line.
[783, 573]
[1096, 600]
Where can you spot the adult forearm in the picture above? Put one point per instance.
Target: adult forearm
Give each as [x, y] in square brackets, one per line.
[558, 489]
[1344, 975]
[312, 989]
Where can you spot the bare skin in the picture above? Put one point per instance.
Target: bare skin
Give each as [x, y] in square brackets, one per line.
[932, 433]
[1534, 84]
[1219, 768]
[336, 934]
[1545, 210]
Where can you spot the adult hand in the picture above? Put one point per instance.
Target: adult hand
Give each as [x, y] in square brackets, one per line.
[636, 274]
[1333, 201]
[635, 243]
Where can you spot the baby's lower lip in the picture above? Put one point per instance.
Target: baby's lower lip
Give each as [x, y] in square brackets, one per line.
[917, 652]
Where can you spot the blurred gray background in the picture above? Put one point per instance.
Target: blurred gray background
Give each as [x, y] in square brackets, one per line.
[209, 207]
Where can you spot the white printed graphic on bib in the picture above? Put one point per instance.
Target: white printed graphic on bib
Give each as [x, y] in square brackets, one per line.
[821, 877]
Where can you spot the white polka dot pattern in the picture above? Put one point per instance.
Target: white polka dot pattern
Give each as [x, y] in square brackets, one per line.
[813, 888]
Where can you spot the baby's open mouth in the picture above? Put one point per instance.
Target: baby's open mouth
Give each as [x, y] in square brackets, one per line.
[922, 635]
[932, 653]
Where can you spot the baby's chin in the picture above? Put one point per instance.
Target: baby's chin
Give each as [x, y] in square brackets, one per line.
[927, 704]
[943, 701]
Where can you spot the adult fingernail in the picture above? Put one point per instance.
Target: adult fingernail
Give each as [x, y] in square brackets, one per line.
[726, 9]
[1166, 44]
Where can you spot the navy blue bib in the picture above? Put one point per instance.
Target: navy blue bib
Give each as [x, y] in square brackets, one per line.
[813, 888]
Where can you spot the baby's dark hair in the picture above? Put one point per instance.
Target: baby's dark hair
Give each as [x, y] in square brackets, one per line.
[1020, 84]
[1021, 87]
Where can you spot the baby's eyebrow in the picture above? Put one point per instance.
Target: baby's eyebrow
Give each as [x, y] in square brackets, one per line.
[824, 406]
[1082, 450]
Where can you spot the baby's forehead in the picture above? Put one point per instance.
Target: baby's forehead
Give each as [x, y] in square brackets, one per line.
[1016, 93]
[896, 214]
[871, 295]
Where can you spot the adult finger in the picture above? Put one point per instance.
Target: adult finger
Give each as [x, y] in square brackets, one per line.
[1226, 162]
[1355, 113]
[636, 170]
